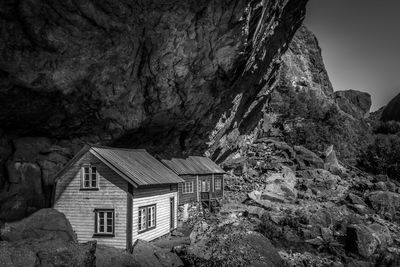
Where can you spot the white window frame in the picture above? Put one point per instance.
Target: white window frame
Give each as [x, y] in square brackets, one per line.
[92, 171]
[188, 187]
[218, 184]
[205, 185]
[147, 218]
[106, 221]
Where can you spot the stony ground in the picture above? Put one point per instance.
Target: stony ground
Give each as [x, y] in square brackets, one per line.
[291, 207]
[283, 206]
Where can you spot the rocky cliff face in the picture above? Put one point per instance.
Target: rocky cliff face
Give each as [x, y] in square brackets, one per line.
[301, 71]
[301, 108]
[154, 74]
[131, 72]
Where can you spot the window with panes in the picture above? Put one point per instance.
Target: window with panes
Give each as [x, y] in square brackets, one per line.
[218, 183]
[90, 177]
[104, 222]
[146, 218]
[187, 187]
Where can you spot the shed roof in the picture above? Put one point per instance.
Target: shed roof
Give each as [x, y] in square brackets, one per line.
[135, 165]
[193, 165]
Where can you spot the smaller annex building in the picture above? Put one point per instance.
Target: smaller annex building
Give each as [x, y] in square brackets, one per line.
[203, 179]
[116, 196]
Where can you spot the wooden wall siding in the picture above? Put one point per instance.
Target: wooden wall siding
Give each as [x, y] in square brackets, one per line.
[78, 206]
[213, 193]
[162, 213]
[187, 198]
[219, 193]
[148, 191]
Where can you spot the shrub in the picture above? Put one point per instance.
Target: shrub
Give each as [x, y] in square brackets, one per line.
[382, 156]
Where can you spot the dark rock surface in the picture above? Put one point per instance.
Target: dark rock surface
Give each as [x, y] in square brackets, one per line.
[47, 223]
[46, 252]
[43, 239]
[109, 256]
[307, 158]
[230, 242]
[392, 110]
[360, 239]
[149, 255]
[353, 102]
[149, 74]
[385, 203]
[131, 72]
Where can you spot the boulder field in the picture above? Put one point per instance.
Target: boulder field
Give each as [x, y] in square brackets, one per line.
[311, 215]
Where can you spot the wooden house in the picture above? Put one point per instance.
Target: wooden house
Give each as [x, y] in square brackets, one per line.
[116, 196]
[203, 179]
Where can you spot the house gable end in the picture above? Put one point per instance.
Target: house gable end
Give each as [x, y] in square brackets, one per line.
[70, 171]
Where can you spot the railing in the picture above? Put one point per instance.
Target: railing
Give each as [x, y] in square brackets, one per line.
[205, 195]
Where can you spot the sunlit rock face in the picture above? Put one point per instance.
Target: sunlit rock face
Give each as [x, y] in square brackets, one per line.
[303, 67]
[301, 71]
[299, 107]
[141, 74]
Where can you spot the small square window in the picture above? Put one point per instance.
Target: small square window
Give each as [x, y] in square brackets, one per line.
[187, 187]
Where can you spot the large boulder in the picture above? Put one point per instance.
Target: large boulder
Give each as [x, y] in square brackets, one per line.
[282, 183]
[19, 256]
[230, 243]
[322, 183]
[382, 233]
[354, 103]
[30, 172]
[361, 240]
[109, 256]
[385, 203]
[366, 240]
[43, 223]
[56, 252]
[47, 252]
[265, 198]
[331, 163]
[12, 206]
[277, 145]
[149, 255]
[307, 159]
[26, 180]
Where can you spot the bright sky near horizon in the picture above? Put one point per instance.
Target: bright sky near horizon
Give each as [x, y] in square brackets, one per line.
[360, 42]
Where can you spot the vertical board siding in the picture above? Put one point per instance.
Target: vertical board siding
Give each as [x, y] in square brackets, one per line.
[160, 196]
[191, 197]
[213, 193]
[219, 193]
[78, 205]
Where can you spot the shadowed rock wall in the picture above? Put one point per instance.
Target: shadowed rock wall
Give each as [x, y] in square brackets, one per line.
[151, 74]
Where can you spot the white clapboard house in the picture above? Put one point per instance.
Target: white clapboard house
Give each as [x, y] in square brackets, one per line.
[116, 196]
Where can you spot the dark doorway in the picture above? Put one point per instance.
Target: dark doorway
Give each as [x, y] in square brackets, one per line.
[172, 211]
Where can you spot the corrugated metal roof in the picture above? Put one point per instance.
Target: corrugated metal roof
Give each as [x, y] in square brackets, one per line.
[137, 165]
[206, 164]
[180, 166]
[193, 165]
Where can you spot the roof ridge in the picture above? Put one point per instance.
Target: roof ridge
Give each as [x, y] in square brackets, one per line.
[118, 148]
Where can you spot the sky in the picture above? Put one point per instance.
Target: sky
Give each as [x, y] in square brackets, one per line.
[360, 42]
